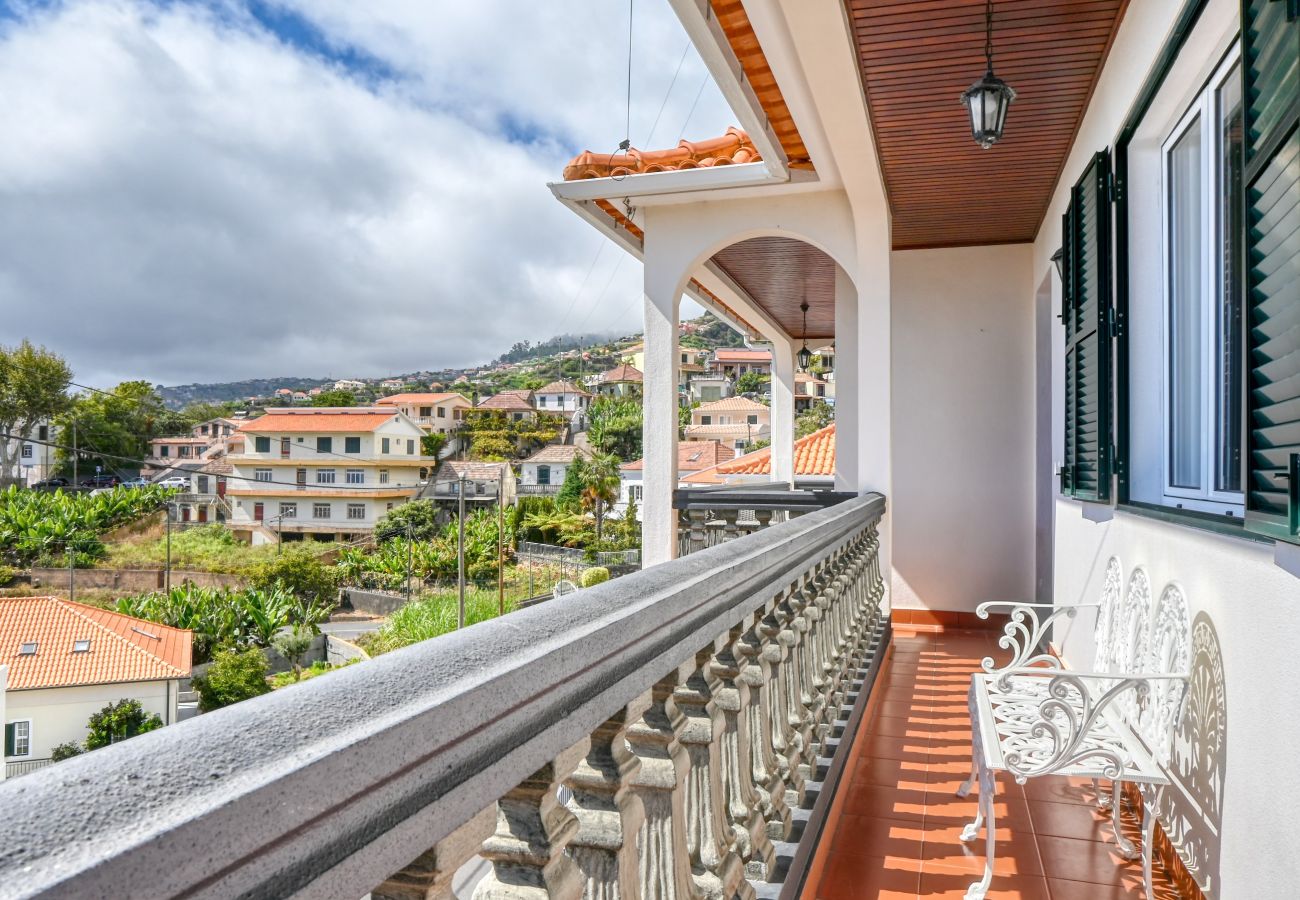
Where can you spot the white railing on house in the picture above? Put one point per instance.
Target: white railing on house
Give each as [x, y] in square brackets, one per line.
[695, 711]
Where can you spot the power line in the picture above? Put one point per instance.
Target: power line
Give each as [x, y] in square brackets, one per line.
[650, 137]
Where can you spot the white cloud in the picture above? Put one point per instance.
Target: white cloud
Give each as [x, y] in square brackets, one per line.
[186, 196]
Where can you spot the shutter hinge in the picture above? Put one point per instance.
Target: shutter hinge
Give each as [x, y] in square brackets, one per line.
[1114, 188]
[1112, 322]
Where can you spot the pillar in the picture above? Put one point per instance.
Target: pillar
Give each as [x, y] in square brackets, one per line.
[660, 422]
[783, 368]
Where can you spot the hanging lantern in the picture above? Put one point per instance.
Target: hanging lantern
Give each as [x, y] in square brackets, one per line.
[805, 355]
[987, 100]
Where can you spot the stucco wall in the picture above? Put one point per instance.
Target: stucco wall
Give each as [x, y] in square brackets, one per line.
[59, 715]
[963, 426]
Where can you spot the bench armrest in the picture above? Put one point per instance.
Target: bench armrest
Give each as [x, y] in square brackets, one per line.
[1024, 630]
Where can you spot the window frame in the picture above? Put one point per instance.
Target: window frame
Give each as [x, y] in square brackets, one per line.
[1203, 108]
[356, 512]
[288, 509]
[326, 476]
[319, 505]
[352, 444]
[263, 475]
[28, 737]
[354, 476]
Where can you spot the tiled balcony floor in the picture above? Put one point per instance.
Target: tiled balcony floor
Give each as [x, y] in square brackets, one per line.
[894, 831]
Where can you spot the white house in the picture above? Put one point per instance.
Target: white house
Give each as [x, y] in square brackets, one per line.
[562, 397]
[68, 660]
[544, 472]
[439, 412]
[707, 388]
[324, 472]
[37, 456]
[347, 384]
[516, 405]
[692, 457]
[738, 421]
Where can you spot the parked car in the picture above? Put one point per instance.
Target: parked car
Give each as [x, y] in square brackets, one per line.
[176, 481]
[51, 484]
[101, 481]
[136, 483]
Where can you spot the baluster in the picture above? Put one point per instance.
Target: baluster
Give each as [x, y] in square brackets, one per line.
[608, 811]
[764, 517]
[744, 803]
[755, 650]
[533, 827]
[429, 876]
[664, 864]
[793, 698]
[815, 656]
[801, 713]
[719, 871]
[776, 651]
[698, 536]
[730, 531]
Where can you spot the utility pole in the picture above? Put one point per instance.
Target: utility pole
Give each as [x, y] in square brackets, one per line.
[168, 577]
[501, 557]
[460, 552]
[72, 571]
[409, 539]
[74, 453]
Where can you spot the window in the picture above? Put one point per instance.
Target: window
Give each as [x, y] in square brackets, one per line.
[356, 476]
[386, 445]
[261, 444]
[410, 446]
[28, 648]
[426, 412]
[543, 474]
[356, 511]
[43, 433]
[324, 476]
[442, 412]
[18, 738]
[289, 510]
[706, 420]
[541, 402]
[383, 476]
[324, 445]
[388, 507]
[480, 487]
[261, 474]
[634, 493]
[751, 420]
[27, 451]
[81, 646]
[352, 445]
[1201, 171]
[203, 429]
[165, 450]
[320, 510]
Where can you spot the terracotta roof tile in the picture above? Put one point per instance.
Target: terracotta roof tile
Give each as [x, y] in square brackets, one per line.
[395, 399]
[742, 355]
[622, 372]
[692, 456]
[730, 149]
[481, 471]
[557, 453]
[730, 404]
[814, 456]
[562, 387]
[122, 648]
[510, 401]
[325, 418]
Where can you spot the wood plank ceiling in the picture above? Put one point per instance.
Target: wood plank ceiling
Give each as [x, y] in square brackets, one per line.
[918, 56]
[779, 273]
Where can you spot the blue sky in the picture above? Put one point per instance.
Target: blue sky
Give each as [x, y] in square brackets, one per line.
[224, 190]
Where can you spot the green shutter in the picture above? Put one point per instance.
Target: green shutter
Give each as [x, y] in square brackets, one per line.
[1087, 314]
[11, 740]
[1271, 76]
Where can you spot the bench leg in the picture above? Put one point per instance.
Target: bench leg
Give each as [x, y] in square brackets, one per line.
[988, 796]
[1126, 848]
[1103, 797]
[1148, 835]
[964, 790]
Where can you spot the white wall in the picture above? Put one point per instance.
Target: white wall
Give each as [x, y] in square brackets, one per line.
[963, 426]
[60, 715]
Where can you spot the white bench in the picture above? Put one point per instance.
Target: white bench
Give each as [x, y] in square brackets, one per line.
[1034, 717]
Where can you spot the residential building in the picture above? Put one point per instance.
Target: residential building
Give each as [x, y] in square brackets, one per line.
[544, 472]
[814, 465]
[484, 483]
[348, 384]
[707, 388]
[621, 381]
[323, 472]
[808, 391]
[563, 397]
[517, 405]
[692, 457]
[734, 362]
[37, 457]
[737, 421]
[437, 413]
[392, 384]
[67, 661]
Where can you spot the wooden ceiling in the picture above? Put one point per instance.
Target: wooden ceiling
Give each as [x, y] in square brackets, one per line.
[779, 273]
[918, 56]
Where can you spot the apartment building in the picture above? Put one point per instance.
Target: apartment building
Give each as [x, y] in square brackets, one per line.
[436, 413]
[736, 421]
[327, 473]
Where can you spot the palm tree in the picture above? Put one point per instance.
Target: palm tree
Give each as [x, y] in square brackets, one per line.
[600, 481]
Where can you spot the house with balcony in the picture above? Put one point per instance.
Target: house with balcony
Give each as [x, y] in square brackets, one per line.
[692, 457]
[1063, 301]
[624, 380]
[565, 398]
[323, 472]
[440, 412]
[544, 471]
[481, 484]
[736, 421]
[67, 661]
[706, 388]
[809, 390]
[734, 362]
[515, 404]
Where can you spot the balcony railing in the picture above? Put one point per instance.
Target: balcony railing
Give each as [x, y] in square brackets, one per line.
[698, 712]
[710, 516]
[24, 766]
[538, 489]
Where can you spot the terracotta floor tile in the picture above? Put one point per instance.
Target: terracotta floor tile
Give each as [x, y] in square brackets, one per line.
[884, 802]
[885, 771]
[1061, 790]
[1094, 861]
[944, 806]
[1129, 890]
[879, 745]
[1016, 853]
[895, 727]
[897, 709]
[1069, 820]
[894, 840]
[851, 877]
[939, 884]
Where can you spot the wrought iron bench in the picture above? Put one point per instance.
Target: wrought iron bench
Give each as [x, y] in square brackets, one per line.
[1034, 717]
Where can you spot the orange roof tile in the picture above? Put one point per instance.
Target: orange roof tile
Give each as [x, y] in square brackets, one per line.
[622, 372]
[730, 404]
[121, 648]
[441, 397]
[814, 456]
[730, 149]
[509, 400]
[692, 456]
[325, 418]
[743, 355]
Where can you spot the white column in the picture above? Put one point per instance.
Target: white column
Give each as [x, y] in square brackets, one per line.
[783, 366]
[659, 425]
[848, 378]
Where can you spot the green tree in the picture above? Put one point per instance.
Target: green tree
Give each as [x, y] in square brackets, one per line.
[569, 496]
[614, 427]
[66, 751]
[113, 428]
[293, 644]
[201, 411]
[334, 398]
[815, 418]
[33, 389]
[234, 675]
[751, 383]
[301, 573]
[119, 721]
[417, 518]
[600, 481]
[433, 444]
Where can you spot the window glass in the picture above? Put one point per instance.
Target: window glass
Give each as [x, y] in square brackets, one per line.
[320, 510]
[289, 510]
[1228, 358]
[261, 474]
[410, 446]
[324, 445]
[352, 445]
[22, 738]
[262, 444]
[324, 476]
[1185, 337]
[356, 476]
[386, 445]
[356, 510]
[543, 474]
[383, 476]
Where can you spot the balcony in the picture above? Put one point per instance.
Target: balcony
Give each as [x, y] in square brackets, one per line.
[538, 490]
[25, 766]
[710, 516]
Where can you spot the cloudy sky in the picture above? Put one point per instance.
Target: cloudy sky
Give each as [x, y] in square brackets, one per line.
[210, 191]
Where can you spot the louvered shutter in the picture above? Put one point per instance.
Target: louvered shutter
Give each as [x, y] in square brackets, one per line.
[11, 740]
[1087, 314]
[1271, 78]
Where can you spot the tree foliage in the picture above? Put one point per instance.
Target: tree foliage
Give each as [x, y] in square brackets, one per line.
[417, 519]
[300, 572]
[817, 417]
[113, 428]
[334, 398]
[33, 389]
[36, 526]
[752, 383]
[600, 481]
[234, 675]
[614, 427]
[119, 721]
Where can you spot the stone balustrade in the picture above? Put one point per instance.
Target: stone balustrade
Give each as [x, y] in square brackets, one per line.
[710, 516]
[689, 715]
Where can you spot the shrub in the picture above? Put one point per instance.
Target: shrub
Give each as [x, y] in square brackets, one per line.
[292, 644]
[431, 616]
[34, 522]
[7, 574]
[234, 675]
[594, 576]
[119, 721]
[417, 519]
[66, 751]
[300, 572]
